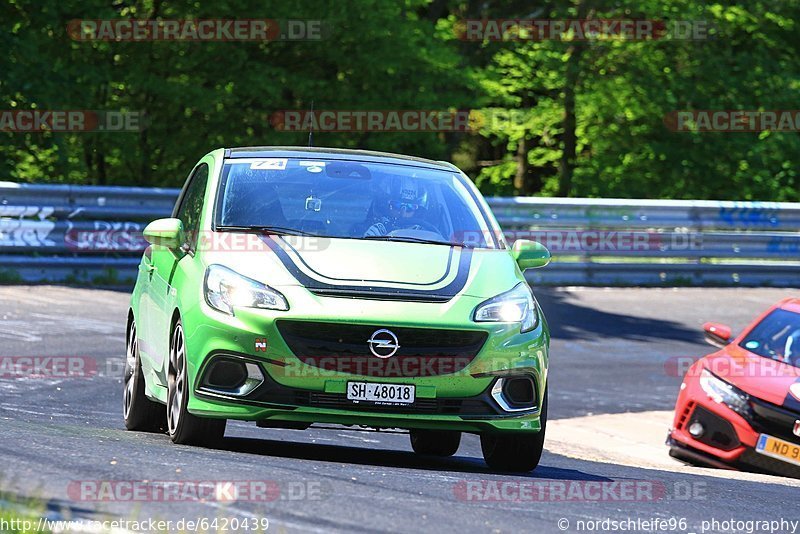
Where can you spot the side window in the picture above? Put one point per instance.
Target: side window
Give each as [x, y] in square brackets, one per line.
[191, 206]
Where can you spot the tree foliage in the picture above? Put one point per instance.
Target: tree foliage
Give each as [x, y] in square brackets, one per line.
[551, 117]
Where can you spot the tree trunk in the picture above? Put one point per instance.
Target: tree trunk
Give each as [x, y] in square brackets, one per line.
[523, 167]
[569, 155]
[571, 79]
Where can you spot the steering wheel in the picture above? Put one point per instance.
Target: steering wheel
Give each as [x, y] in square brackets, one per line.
[428, 226]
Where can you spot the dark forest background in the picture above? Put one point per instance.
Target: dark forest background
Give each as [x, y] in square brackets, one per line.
[582, 118]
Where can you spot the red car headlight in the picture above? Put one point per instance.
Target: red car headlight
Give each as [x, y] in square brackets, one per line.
[724, 393]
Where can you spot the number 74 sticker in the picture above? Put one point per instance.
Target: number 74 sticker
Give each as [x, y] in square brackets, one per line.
[272, 164]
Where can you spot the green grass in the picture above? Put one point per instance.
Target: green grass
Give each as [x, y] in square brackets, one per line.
[20, 517]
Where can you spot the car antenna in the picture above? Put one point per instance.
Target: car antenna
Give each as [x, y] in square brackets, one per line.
[311, 127]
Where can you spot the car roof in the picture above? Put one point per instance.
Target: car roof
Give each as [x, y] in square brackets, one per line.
[335, 154]
[790, 304]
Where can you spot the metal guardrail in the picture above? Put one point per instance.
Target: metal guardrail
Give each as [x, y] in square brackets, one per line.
[622, 213]
[93, 234]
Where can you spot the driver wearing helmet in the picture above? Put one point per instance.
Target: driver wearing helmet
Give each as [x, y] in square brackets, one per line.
[407, 201]
[791, 352]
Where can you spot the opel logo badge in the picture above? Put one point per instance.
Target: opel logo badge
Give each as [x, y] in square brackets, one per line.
[797, 428]
[383, 343]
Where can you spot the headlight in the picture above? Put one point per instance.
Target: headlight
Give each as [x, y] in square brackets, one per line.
[724, 393]
[226, 289]
[515, 306]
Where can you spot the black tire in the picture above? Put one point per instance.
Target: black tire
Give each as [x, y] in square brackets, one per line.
[517, 452]
[139, 412]
[435, 442]
[183, 427]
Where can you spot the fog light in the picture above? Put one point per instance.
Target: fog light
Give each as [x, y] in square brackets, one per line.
[519, 391]
[227, 374]
[232, 377]
[696, 429]
[515, 394]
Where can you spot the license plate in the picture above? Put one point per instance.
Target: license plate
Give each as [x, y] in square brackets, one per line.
[380, 393]
[778, 448]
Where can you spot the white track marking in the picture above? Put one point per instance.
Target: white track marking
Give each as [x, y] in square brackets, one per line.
[635, 440]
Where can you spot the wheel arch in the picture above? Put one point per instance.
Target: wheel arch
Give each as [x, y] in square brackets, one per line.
[131, 319]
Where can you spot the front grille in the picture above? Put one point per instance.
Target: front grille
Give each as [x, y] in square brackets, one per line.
[774, 420]
[344, 348]
[685, 415]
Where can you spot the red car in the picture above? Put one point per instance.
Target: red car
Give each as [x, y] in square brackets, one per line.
[739, 408]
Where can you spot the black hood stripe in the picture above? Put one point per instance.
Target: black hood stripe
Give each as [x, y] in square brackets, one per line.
[378, 291]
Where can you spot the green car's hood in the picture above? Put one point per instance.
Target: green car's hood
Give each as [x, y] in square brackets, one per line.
[356, 267]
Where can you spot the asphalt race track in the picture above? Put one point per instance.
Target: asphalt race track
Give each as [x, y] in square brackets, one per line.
[611, 391]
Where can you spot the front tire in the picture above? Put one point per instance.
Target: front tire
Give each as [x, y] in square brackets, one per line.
[139, 412]
[515, 452]
[435, 442]
[185, 428]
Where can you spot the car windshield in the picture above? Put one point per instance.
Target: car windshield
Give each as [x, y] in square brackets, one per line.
[777, 336]
[353, 200]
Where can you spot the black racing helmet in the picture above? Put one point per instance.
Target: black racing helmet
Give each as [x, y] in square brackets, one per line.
[407, 196]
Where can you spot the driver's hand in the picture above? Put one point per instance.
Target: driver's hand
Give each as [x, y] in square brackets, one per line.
[377, 229]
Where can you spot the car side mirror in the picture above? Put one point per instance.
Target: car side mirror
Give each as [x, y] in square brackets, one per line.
[717, 334]
[165, 232]
[530, 254]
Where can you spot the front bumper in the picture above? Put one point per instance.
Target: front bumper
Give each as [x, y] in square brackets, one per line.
[272, 402]
[293, 391]
[747, 460]
[729, 438]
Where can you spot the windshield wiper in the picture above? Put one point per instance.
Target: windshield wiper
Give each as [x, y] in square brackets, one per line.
[405, 239]
[273, 230]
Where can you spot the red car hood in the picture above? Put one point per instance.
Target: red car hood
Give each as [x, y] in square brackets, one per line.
[761, 377]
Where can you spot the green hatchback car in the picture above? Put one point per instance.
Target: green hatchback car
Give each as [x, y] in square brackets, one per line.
[294, 286]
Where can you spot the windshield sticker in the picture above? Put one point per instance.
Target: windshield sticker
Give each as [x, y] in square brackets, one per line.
[313, 204]
[272, 164]
[752, 345]
[312, 166]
